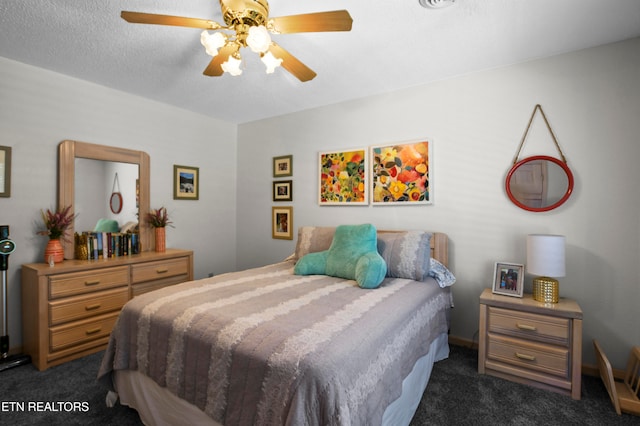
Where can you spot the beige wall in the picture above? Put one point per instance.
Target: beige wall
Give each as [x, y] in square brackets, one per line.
[38, 109]
[592, 99]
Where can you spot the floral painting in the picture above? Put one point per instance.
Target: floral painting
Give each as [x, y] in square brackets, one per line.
[343, 177]
[402, 173]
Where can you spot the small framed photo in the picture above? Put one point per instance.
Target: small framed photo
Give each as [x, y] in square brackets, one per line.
[508, 279]
[5, 171]
[283, 166]
[185, 183]
[282, 223]
[283, 190]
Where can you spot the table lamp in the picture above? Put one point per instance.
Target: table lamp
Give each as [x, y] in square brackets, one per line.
[545, 258]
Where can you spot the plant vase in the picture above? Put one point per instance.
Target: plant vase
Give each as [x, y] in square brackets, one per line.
[161, 239]
[53, 252]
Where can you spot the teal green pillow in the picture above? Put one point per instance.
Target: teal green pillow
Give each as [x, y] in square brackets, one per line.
[106, 225]
[353, 255]
[312, 264]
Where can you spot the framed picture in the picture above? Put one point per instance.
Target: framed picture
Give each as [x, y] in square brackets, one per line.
[282, 222]
[508, 279]
[283, 190]
[283, 166]
[185, 183]
[5, 171]
[402, 173]
[343, 178]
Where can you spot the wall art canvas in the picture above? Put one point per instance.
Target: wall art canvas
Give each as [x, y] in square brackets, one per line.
[343, 177]
[402, 173]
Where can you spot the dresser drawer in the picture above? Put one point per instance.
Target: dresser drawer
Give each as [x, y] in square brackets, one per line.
[161, 269]
[79, 332]
[530, 326]
[90, 305]
[528, 356]
[71, 284]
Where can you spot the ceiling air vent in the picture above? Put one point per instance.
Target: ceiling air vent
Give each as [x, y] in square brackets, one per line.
[436, 4]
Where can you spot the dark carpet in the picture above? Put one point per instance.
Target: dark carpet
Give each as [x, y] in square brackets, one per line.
[456, 395]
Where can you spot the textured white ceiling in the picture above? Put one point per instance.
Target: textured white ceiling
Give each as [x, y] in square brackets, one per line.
[393, 45]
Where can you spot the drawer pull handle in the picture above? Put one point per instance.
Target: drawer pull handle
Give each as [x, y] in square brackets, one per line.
[525, 327]
[92, 307]
[525, 356]
[92, 282]
[93, 331]
[162, 271]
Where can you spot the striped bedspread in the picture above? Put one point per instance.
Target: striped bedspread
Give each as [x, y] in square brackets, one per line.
[267, 347]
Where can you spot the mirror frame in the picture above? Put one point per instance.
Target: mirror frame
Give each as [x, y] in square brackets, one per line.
[69, 150]
[557, 204]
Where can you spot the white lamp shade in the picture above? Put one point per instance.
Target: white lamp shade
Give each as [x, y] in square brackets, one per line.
[271, 62]
[258, 39]
[212, 42]
[545, 255]
[232, 66]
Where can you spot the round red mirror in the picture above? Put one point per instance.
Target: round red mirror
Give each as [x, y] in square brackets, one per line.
[539, 183]
[115, 203]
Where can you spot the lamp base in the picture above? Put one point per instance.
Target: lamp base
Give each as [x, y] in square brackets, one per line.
[546, 289]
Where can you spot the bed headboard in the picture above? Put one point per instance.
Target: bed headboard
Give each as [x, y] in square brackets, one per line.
[440, 248]
[318, 238]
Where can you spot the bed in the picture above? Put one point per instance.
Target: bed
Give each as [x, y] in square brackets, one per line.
[266, 346]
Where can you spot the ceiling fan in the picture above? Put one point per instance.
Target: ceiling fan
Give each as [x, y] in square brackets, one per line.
[248, 25]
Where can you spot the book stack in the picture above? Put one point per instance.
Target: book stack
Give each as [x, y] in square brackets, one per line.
[104, 245]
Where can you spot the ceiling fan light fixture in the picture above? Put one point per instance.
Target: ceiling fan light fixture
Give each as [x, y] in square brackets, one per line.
[232, 65]
[270, 61]
[212, 42]
[436, 4]
[259, 39]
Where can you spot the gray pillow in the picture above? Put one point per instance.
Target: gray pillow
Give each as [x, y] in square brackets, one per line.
[407, 253]
[312, 239]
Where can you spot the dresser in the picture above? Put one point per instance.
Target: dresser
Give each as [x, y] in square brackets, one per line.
[69, 310]
[531, 342]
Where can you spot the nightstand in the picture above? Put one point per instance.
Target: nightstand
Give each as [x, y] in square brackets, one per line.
[525, 341]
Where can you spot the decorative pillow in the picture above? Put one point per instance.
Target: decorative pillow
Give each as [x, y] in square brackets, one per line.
[441, 274]
[312, 239]
[312, 264]
[353, 255]
[407, 253]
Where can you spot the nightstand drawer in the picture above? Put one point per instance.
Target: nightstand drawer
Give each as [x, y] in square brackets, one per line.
[87, 281]
[66, 310]
[547, 359]
[529, 326]
[79, 332]
[150, 271]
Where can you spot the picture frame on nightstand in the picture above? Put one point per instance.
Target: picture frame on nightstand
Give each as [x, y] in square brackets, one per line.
[508, 279]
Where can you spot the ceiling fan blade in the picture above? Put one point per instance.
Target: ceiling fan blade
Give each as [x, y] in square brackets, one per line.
[177, 21]
[214, 69]
[292, 64]
[337, 20]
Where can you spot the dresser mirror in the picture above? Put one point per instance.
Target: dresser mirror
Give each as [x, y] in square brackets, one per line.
[539, 183]
[85, 177]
